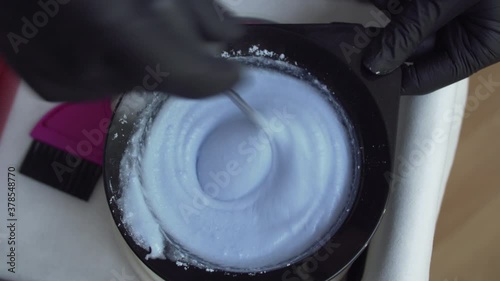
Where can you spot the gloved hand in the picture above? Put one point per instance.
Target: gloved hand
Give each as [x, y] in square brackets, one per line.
[467, 40]
[85, 49]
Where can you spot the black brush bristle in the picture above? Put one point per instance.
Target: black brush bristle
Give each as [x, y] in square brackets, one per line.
[61, 170]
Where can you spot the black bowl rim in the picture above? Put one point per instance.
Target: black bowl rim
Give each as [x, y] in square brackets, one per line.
[354, 235]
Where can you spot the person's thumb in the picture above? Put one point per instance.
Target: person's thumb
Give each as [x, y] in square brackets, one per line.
[406, 31]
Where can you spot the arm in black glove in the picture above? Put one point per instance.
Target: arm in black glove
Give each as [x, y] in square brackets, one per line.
[85, 49]
[467, 40]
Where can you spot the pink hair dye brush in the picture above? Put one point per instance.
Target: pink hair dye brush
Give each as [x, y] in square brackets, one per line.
[68, 147]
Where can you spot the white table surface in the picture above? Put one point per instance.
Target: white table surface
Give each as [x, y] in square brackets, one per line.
[60, 238]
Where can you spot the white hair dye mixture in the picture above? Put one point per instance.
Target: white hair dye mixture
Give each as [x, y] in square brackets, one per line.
[203, 186]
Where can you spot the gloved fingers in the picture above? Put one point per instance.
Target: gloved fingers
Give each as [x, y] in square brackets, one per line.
[96, 48]
[440, 67]
[175, 56]
[215, 22]
[403, 35]
[429, 74]
[171, 16]
[173, 62]
[210, 77]
[193, 72]
[204, 19]
[458, 54]
[96, 80]
[484, 24]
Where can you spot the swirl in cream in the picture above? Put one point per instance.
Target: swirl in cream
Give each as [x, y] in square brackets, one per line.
[230, 195]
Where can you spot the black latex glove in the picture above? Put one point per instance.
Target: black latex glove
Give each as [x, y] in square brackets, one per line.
[86, 49]
[467, 40]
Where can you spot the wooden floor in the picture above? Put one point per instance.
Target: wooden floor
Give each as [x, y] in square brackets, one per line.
[467, 243]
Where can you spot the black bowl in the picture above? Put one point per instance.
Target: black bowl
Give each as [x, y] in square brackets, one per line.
[371, 104]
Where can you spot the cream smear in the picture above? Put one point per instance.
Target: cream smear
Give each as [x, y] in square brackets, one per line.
[204, 186]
